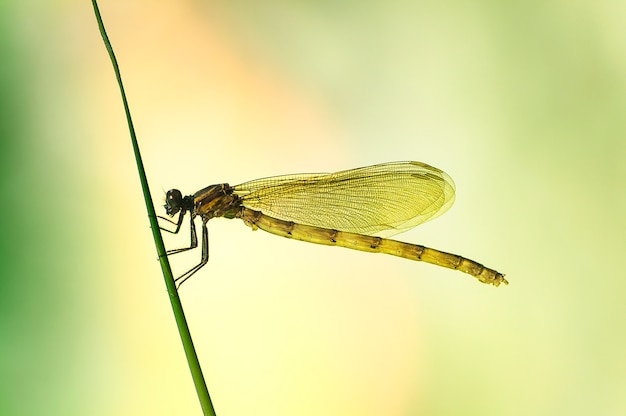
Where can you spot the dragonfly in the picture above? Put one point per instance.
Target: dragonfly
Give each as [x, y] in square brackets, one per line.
[357, 209]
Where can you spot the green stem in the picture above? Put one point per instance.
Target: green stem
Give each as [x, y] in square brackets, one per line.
[183, 329]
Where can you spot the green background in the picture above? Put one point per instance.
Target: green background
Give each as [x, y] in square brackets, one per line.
[522, 103]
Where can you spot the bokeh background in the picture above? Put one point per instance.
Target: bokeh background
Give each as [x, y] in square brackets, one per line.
[522, 103]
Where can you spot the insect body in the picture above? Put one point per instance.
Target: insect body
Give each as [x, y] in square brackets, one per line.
[355, 208]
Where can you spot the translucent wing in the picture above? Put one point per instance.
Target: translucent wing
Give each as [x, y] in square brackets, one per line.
[380, 200]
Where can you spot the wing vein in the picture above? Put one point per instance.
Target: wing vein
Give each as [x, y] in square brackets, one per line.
[380, 200]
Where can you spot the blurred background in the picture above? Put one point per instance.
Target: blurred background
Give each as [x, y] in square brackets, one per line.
[521, 103]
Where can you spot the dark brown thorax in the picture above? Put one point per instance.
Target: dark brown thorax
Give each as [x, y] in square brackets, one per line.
[216, 201]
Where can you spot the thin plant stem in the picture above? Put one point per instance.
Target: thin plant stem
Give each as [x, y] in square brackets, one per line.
[181, 323]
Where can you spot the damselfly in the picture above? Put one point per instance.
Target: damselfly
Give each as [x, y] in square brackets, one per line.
[354, 208]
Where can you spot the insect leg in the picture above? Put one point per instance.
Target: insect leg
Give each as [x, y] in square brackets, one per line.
[203, 260]
[194, 239]
[178, 223]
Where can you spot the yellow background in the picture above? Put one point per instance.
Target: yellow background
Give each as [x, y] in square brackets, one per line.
[522, 103]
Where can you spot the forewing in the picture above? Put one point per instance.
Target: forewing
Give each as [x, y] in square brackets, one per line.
[380, 200]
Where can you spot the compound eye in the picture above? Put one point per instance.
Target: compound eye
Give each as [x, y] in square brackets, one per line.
[173, 201]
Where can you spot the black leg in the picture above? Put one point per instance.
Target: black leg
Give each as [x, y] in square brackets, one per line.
[194, 238]
[203, 260]
[178, 223]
